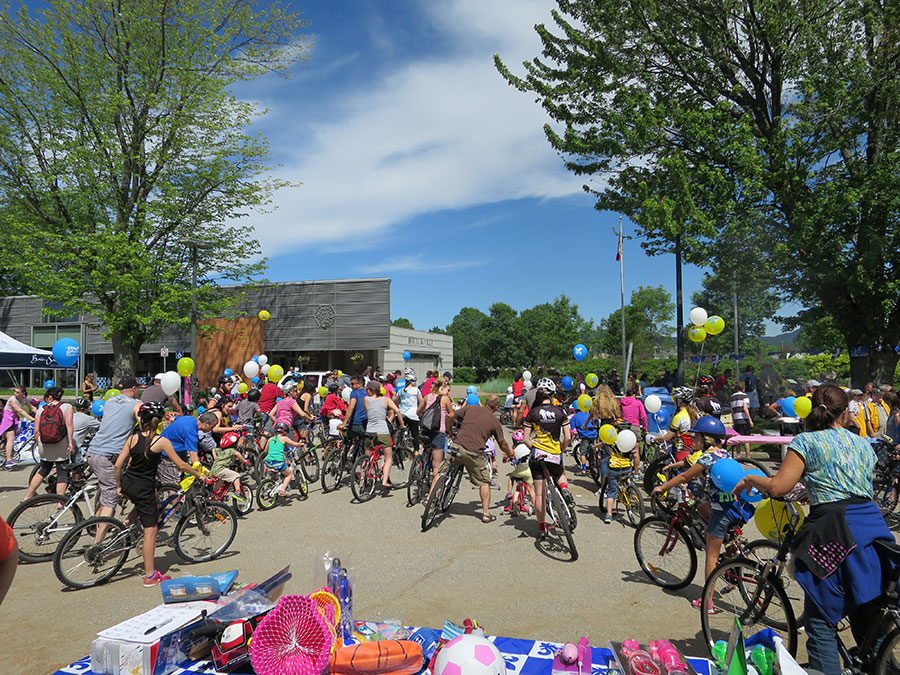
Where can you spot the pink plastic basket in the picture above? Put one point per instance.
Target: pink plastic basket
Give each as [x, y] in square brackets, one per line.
[293, 639]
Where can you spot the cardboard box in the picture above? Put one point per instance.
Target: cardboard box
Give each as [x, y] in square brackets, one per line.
[209, 587]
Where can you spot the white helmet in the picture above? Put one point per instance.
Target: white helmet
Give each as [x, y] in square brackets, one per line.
[520, 451]
[545, 384]
[509, 390]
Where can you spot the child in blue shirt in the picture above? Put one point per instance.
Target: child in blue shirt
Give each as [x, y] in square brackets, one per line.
[582, 424]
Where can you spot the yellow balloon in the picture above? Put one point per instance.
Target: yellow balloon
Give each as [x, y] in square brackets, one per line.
[110, 393]
[802, 406]
[185, 366]
[773, 516]
[340, 373]
[263, 315]
[381, 391]
[591, 380]
[242, 387]
[584, 402]
[714, 325]
[323, 392]
[275, 373]
[697, 334]
[608, 434]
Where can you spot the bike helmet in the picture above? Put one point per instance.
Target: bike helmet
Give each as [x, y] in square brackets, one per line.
[228, 439]
[471, 389]
[282, 428]
[706, 381]
[709, 425]
[518, 436]
[521, 451]
[685, 394]
[409, 374]
[82, 403]
[545, 384]
[151, 409]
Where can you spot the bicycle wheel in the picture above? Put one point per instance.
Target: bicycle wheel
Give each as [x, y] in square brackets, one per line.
[242, 502]
[664, 551]
[761, 551]
[40, 524]
[309, 464]
[364, 478]
[205, 532]
[451, 487]
[301, 483]
[433, 502]
[317, 432]
[737, 589]
[594, 465]
[80, 563]
[400, 468]
[651, 479]
[631, 499]
[754, 464]
[332, 468]
[414, 487]
[888, 660]
[267, 493]
[561, 515]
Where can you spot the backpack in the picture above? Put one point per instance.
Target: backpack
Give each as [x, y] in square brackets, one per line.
[53, 424]
[431, 418]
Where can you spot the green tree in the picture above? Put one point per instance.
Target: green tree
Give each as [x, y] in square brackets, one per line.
[401, 322]
[647, 323]
[468, 331]
[503, 340]
[772, 122]
[119, 137]
[550, 330]
[819, 334]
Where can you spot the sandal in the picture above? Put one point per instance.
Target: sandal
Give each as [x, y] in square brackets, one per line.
[488, 519]
[696, 603]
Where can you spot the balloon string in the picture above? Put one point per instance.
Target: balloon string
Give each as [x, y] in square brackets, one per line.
[697, 379]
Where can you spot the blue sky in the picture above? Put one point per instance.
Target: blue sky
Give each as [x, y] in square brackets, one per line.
[418, 162]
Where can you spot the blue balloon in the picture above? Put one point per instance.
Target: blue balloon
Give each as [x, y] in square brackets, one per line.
[471, 389]
[49, 383]
[255, 358]
[255, 380]
[787, 406]
[567, 383]
[579, 351]
[97, 408]
[753, 495]
[66, 352]
[42, 404]
[726, 473]
[228, 372]
[472, 399]
[662, 418]
[407, 356]
[201, 409]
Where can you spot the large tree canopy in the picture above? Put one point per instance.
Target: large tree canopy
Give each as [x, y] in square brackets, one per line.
[774, 121]
[647, 323]
[119, 138]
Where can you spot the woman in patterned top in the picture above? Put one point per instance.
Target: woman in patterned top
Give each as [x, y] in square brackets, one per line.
[836, 561]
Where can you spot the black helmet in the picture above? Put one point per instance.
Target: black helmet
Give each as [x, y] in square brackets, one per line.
[151, 409]
[82, 403]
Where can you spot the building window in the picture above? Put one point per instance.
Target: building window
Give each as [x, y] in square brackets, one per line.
[56, 312]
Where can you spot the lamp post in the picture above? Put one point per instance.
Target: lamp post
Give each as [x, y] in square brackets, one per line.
[195, 245]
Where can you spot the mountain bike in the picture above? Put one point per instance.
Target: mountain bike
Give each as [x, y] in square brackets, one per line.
[204, 531]
[269, 488]
[421, 474]
[338, 460]
[628, 496]
[558, 512]
[444, 491]
[368, 469]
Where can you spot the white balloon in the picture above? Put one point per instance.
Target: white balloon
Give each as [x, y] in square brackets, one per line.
[626, 440]
[170, 382]
[526, 375]
[251, 369]
[345, 394]
[265, 369]
[698, 316]
[263, 360]
[527, 384]
[653, 403]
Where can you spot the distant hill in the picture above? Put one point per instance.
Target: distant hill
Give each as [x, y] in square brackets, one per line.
[787, 340]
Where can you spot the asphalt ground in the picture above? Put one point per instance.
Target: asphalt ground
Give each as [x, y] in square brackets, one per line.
[492, 572]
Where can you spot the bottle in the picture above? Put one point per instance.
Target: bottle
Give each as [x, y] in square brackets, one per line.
[346, 599]
[334, 577]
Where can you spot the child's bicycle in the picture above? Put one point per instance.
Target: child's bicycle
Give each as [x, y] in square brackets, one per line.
[368, 469]
[517, 499]
[270, 486]
[24, 442]
[628, 496]
[241, 501]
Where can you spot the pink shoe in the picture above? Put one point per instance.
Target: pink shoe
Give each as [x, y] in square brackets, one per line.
[155, 579]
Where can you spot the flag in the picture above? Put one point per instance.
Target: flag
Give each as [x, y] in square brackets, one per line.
[736, 657]
[619, 249]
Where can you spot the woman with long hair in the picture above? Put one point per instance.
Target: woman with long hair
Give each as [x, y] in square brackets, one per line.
[605, 410]
[15, 408]
[88, 387]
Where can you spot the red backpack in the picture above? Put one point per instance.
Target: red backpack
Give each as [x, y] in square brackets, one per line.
[53, 424]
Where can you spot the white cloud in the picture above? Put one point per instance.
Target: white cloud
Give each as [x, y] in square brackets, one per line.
[418, 264]
[440, 133]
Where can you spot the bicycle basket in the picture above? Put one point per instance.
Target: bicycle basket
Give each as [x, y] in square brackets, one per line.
[293, 639]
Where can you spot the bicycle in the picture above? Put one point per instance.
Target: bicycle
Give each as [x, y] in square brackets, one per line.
[519, 495]
[269, 488]
[369, 468]
[338, 460]
[558, 512]
[23, 442]
[421, 474]
[506, 416]
[204, 531]
[445, 489]
[242, 501]
[628, 495]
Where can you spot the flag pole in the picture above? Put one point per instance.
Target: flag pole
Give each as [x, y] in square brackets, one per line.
[621, 259]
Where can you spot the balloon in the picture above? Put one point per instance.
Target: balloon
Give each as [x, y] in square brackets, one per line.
[753, 495]
[608, 434]
[714, 325]
[698, 316]
[251, 369]
[323, 392]
[579, 351]
[626, 440]
[697, 334]
[802, 406]
[407, 356]
[97, 407]
[591, 380]
[66, 352]
[264, 370]
[381, 391]
[49, 383]
[773, 516]
[110, 393]
[662, 418]
[170, 382]
[471, 389]
[345, 394]
[567, 383]
[584, 402]
[255, 359]
[526, 375]
[726, 473]
[340, 373]
[787, 406]
[201, 409]
[255, 380]
[653, 403]
[263, 315]
[472, 399]
[262, 360]
[527, 384]
[185, 366]
[275, 373]
[242, 387]
[399, 384]
[42, 404]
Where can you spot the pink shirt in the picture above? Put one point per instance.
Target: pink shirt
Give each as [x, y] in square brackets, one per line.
[284, 413]
[633, 412]
[428, 402]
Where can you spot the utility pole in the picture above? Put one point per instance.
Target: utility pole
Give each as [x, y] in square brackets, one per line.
[679, 313]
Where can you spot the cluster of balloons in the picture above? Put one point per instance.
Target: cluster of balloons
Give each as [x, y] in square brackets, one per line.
[624, 440]
[704, 325]
[796, 406]
[66, 352]
[726, 473]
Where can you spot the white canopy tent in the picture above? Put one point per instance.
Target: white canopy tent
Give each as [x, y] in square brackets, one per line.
[15, 355]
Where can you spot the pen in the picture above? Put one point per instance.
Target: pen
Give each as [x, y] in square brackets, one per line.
[150, 630]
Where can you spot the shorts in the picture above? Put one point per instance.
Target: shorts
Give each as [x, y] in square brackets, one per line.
[62, 470]
[719, 522]
[228, 475]
[612, 481]
[167, 472]
[477, 465]
[104, 467]
[300, 425]
[436, 439]
[537, 471]
[384, 440]
[743, 428]
[277, 466]
[523, 473]
[143, 495]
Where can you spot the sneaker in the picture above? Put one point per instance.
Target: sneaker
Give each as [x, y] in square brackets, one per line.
[570, 500]
[542, 535]
[156, 579]
[9, 466]
[607, 519]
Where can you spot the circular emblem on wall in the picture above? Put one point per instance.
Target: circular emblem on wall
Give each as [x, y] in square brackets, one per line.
[324, 315]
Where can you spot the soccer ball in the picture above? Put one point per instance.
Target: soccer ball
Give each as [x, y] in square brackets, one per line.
[469, 655]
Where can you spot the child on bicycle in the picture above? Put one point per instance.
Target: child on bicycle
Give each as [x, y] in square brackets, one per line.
[334, 425]
[224, 456]
[621, 465]
[521, 472]
[275, 454]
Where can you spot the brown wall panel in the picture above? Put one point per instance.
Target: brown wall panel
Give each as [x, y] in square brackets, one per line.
[231, 345]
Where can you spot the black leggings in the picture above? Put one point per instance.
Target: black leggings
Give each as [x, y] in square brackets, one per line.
[62, 470]
[413, 426]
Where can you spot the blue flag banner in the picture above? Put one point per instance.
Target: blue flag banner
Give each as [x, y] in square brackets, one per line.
[736, 357]
[859, 351]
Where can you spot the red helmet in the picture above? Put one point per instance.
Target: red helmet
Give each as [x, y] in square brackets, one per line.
[706, 380]
[228, 439]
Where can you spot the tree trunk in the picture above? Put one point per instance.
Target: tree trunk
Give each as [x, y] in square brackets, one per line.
[877, 367]
[125, 355]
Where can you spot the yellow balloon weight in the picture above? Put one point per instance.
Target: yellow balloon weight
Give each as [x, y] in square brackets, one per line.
[608, 434]
[275, 373]
[110, 393]
[323, 392]
[697, 334]
[242, 388]
[263, 315]
[584, 403]
[772, 517]
[714, 325]
[185, 366]
[591, 380]
[802, 406]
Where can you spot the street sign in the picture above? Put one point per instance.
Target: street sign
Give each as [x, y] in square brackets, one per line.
[164, 352]
[179, 354]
